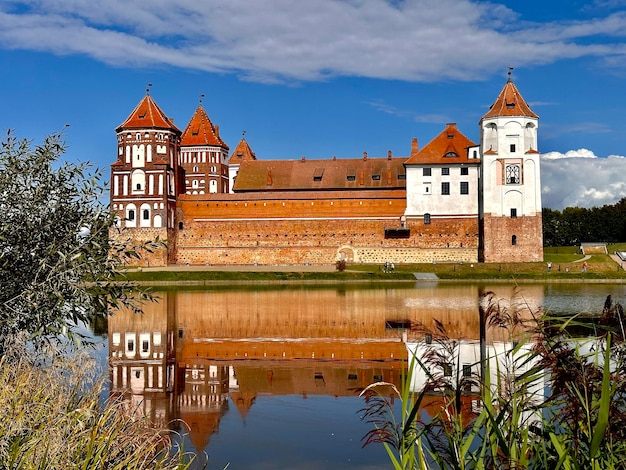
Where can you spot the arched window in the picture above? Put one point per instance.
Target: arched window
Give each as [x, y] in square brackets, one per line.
[131, 220]
[514, 240]
[180, 225]
[145, 215]
[426, 219]
[138, 179]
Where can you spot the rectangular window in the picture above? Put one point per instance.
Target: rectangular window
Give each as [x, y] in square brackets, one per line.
[464, 187]
[447, 370]
[426, 171]
[512, 148]
[426, 219]
[513, 213]
[445, 188]
[445, 171]
[467, 370]
[464, 171]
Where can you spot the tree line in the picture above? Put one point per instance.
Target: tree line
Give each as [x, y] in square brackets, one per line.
[576, 225]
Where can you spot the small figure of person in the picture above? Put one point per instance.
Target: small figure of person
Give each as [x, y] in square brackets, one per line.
[393, 267]
[584, 266]
[549, 266]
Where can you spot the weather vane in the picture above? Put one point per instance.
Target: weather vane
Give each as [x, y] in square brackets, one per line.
[201, 97]
[148, 88]
[509, 72]
[243, 133]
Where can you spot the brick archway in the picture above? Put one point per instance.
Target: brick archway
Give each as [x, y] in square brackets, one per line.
[346, 253]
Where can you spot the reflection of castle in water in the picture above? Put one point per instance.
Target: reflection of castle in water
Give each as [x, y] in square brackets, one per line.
[195, 355]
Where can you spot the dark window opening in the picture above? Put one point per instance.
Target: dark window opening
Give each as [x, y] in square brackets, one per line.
[447, 370]
[514, 240]
[397, 233]
[513, 213]
[146, 214]
[131, 345]
[426, 172]
[464, 171]
[426, 219]
[445, 171]
[445, 188]
[138, 186]
[467, 370]
[464, 187]
[144, 346]
[180, 225]
[131, 214]
[512, 148]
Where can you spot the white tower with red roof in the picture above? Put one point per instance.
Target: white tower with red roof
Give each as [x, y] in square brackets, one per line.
[510, 196]
[145, 178]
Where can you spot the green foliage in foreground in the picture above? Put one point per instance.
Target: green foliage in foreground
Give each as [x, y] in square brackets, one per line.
[57, 265]
[51, 417]
[582, 425]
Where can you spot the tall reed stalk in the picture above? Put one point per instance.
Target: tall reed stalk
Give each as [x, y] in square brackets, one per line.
[579, 424]
[52, 417]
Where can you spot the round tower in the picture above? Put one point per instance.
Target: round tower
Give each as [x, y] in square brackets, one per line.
[145, 179]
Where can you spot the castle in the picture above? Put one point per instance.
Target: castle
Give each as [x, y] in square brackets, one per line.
[450, 201]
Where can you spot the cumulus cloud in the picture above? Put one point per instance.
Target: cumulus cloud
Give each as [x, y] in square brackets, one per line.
[580, 178]
[296, 40]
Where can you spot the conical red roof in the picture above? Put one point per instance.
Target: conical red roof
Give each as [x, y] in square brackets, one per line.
[242, 153]
[510, 103]
[201, 131]
[147, 114]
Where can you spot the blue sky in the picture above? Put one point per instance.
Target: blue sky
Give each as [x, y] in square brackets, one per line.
[326, 77]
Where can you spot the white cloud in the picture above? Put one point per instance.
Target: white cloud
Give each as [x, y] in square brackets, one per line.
[272, 40]
[580, 178]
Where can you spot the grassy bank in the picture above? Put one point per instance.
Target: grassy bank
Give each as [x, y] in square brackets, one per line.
[565, 267]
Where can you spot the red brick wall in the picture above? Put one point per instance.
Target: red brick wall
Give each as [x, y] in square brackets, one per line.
[498, 233]
[314, 231]
[136, 237]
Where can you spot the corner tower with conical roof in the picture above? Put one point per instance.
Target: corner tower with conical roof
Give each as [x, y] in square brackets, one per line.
[145, 179]
[242, 153]
[203, 156]
[510, 195]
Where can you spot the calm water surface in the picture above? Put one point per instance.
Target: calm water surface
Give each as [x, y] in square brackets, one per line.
[268, 377]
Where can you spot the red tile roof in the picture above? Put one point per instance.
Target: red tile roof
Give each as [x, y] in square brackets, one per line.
[242, 153]
[147, 115]
[510, 103]
[449, 147]
[201, 131]
[334, 174]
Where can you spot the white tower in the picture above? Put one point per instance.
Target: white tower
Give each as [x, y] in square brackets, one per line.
[510, 197]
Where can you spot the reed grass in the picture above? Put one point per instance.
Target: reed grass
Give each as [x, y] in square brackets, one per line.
[52, 416]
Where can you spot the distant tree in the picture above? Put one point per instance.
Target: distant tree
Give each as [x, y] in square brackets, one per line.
[57, 267]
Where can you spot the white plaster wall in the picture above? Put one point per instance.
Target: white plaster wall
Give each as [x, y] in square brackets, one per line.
[434, 203]
[497, 197]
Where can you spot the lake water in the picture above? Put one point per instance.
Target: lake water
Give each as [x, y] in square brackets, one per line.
[267, 377]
